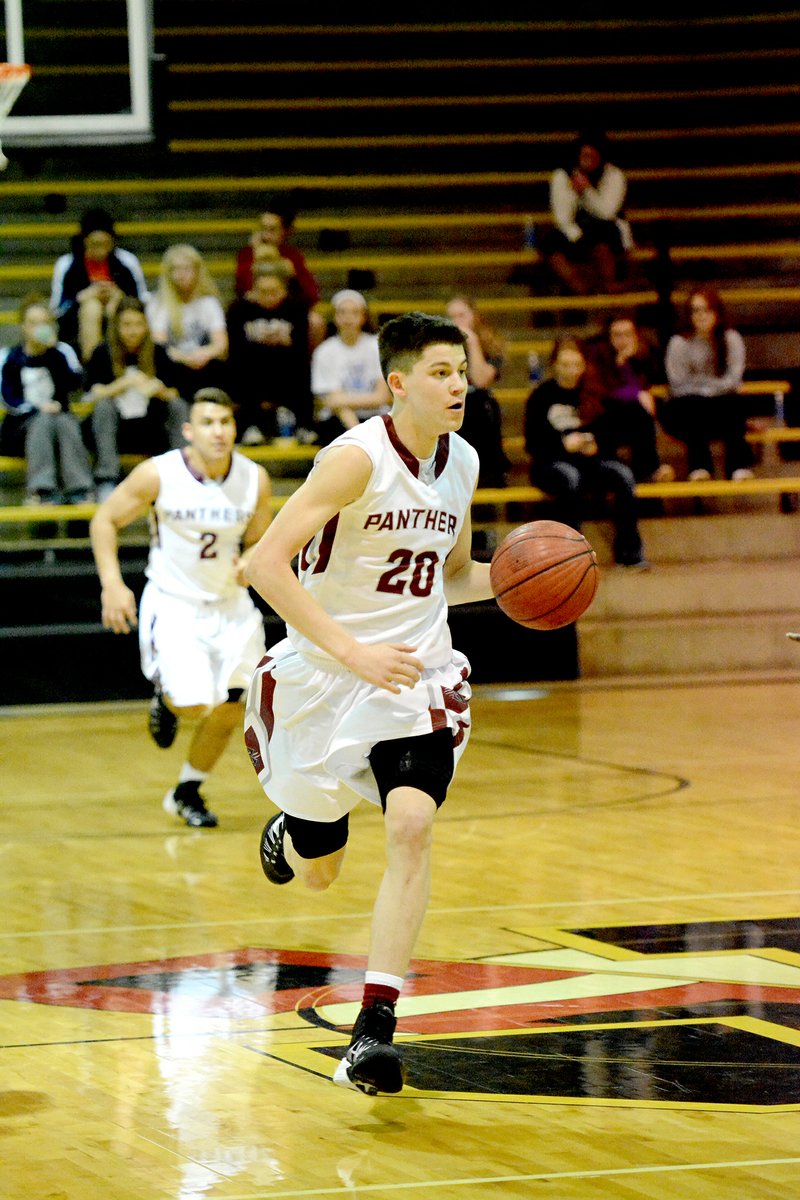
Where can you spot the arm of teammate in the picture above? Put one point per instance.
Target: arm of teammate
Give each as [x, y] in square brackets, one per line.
[129, 501]
[259, 523]
[465, 581]
[336, 481]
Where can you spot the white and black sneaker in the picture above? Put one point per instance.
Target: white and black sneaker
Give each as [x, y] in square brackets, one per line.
[185, 801]
[273, 862]
[372, 1064]
[161, 721]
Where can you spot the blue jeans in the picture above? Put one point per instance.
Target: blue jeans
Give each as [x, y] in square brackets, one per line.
[571, 481]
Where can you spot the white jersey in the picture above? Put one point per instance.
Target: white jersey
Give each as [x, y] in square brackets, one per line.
[197, 527]
[377, 566]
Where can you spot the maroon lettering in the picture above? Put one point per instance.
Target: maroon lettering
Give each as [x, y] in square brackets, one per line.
[421, 580]
[389, 580]
[208, 541]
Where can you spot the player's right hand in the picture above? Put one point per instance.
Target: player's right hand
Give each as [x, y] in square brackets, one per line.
[119, 608]
[387, 665]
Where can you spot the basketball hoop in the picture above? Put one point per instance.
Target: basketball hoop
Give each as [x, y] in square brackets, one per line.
[13, 77]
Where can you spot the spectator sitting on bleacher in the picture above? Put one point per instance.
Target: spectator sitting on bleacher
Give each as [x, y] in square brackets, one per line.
[588, 244]
[623, 372]
[705, 368]
[566, 460]
[271, 238]
[187, 318]
[346, 376]
[270, 363]
[37, 377]
[482, 426]
[135, 409]
[89, 282]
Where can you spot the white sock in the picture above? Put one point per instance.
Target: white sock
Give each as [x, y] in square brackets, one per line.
[380, 977]
[190, 774]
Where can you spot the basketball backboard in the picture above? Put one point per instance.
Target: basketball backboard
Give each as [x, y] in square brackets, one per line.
[90, 71]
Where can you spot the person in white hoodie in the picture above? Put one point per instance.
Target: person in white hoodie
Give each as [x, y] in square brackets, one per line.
[587, 245]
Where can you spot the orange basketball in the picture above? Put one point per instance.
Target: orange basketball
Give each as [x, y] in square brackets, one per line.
[544, 575]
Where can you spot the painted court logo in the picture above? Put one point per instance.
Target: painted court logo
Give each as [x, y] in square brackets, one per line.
[703, 1015]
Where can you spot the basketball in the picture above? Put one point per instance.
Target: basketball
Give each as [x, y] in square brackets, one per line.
[544, 575]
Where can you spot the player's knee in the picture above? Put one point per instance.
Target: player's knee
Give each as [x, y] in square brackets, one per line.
[409, 820]
[315, 849]
[319, 873]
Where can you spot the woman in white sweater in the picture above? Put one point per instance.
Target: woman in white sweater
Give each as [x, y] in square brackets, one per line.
[590, 235]
[705, 367]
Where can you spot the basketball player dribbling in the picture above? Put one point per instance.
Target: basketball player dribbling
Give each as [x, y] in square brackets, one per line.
[366, 698]
[200, 634]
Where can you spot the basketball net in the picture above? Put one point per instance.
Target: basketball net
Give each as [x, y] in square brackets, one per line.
[13, 77]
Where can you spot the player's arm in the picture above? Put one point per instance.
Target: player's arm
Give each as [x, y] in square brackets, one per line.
[465, 581]
[257, 527]
[129, 501]
[336, 481]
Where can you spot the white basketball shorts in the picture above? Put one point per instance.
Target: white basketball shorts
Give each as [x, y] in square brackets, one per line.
[198, 651]
[309, 728]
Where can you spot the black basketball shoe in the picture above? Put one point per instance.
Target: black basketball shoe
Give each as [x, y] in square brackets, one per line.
[372, 1064]
[161, 722]
[185, 801]
[273, 863]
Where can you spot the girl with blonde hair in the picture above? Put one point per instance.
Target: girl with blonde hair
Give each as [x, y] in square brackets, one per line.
[187, 318]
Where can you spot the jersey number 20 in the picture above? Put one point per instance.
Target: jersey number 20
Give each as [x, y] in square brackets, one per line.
[420, 582]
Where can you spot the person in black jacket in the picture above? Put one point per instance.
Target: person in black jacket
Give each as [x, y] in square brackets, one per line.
[566, 460]
[269, 359]
[89, 282]
[37, 378]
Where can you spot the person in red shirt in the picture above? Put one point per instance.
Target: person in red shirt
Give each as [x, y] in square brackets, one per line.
[271, 241]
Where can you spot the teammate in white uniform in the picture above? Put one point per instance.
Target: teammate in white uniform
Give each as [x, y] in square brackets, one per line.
[366, 698]
[200, 634]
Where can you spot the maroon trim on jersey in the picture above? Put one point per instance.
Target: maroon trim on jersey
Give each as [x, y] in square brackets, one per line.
[325, 548]
[438, 719]
[265, 706]
[195, 474]
[253, 749]
[454, 702]
[265, 711]
[204, 478]
[442, 455]
[411, 460]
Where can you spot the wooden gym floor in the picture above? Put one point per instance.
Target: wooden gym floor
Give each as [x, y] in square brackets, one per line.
[606, 994]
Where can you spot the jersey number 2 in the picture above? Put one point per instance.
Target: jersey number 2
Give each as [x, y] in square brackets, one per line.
[209, 541]
[421, 581]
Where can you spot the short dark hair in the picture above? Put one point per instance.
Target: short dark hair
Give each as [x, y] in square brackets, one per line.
[403, 339]
[97, 220]
[212, 395]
